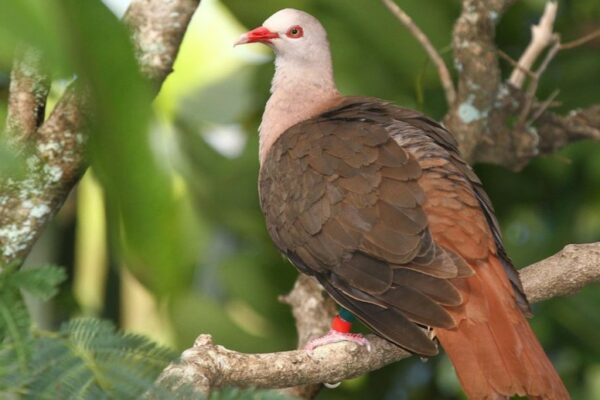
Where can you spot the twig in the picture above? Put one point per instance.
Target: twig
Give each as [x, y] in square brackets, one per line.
[542, 37]
[433, 54]
[581, 41]
[514, 63]
[207, 366]
[532, 89]
[544, 106]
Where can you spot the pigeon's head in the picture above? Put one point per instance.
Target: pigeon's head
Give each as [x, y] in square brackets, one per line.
[292, 34]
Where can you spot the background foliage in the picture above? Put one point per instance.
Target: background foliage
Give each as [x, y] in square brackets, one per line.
[165, 237]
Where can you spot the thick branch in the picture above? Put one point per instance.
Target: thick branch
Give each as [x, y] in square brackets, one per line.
[26, 205]
[58, 161]
[475, 58]
[28, 91]
[562, 274]
[158, 28]
[207, 366]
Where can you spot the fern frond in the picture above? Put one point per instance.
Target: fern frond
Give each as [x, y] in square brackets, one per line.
[247, 394]
[16, 339]
[41, 282]
[8, 269]
[88, 359]
[14, 327]
[188, 392]
[15, 323]
[13, 379]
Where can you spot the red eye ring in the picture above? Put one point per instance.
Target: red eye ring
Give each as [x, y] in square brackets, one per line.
[295, 32]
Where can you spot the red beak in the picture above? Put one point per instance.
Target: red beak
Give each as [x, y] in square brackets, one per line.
[258, 35]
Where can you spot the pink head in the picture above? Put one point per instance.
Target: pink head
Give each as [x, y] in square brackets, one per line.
[292, 34]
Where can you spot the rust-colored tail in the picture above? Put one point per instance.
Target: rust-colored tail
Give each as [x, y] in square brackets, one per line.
[493, 349]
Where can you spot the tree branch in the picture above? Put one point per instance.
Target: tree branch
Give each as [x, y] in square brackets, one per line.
[581, 41]
[556, 131]
[28, 91]
[482, 116]
[542, 37]
[58, 160]
[433, 54]
[533, 85]
[563, 274]
[207, 366]
[157, 28]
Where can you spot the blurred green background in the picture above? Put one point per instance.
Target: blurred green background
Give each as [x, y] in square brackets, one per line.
[164, 235]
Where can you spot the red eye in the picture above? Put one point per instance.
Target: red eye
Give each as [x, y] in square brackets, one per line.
[295, 32]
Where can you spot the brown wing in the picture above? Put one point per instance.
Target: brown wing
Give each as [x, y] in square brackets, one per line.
[444, 140]
[342, 201]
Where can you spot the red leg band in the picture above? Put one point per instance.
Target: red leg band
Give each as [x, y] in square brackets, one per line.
[339, 325]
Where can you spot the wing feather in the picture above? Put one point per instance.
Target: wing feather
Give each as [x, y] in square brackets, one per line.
[342, 199]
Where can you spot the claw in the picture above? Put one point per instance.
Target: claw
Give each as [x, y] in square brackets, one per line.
[334, 336]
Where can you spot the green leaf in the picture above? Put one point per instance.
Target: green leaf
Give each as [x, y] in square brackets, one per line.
[153, 221]
[34, 23]
[41, 282]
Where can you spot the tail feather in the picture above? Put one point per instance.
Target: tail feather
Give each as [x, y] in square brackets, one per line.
[493, 349]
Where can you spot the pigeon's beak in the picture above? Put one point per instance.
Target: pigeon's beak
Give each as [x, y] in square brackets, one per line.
[258, 35]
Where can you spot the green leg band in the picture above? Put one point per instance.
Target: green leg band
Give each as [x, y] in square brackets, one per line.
[346, 315]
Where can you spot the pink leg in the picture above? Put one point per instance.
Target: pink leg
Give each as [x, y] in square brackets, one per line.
[334, 336]
[339, 332]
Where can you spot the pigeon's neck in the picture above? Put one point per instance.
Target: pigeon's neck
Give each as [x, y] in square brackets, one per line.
[298, 92]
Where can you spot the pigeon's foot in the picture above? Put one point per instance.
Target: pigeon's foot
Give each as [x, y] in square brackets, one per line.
[339, 332]
[334, 336]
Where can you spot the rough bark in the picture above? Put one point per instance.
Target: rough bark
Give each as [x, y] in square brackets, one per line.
[28, 90]
[476, 61]
[575, 267]
[53, 167]
[207, 366]
[157, 28]
[57, 159]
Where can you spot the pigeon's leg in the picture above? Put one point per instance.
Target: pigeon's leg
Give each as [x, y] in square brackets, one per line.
[339, 332]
